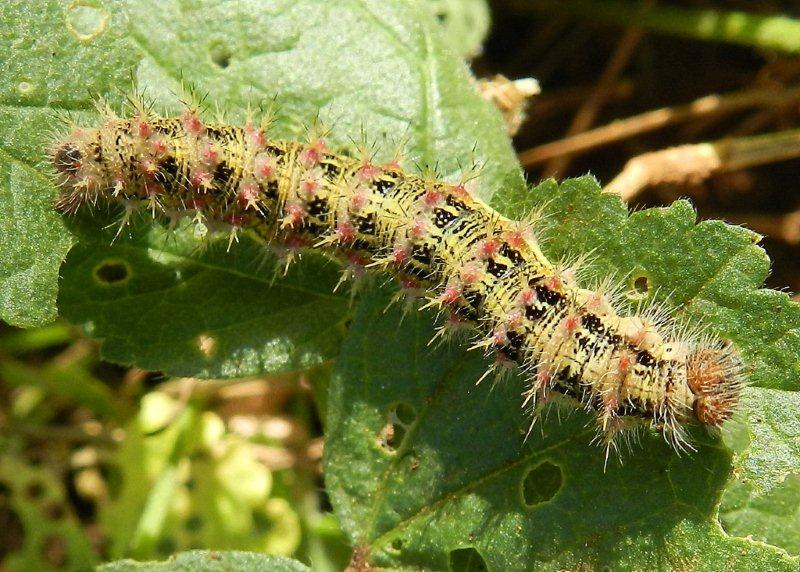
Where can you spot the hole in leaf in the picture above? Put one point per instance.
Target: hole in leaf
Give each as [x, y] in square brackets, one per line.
[405, 414]
[207, 345]
[466, 560]
[111, 272]
[85, 21]
[541, 483]
[638, 287]
[398, 419]
[397, 544]
[220, 55]
[25, 87]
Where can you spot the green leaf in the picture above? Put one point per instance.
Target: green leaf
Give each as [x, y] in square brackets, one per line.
[211, 561]
[457, 482]
[465, 23]
[311, 57]
[423, 468]
[32, 242]
[764, 500]
[45, 68]
[711, 272]
[459, 485]
[162, 301]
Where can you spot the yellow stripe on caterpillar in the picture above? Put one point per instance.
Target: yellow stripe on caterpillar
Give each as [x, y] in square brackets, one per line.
[475, 264]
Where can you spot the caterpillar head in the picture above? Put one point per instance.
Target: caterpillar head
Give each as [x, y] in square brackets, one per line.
[715, 376]
[78, 164]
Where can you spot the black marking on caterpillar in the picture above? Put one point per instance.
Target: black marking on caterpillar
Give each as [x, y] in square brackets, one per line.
[473, 263]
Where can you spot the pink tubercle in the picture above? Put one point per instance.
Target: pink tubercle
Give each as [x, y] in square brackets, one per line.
[309, 186]
[159, 147]
[264, 167]
[451, 294]
[368, 172]
[345, 232]
[295, 241]
[394, 165]
[459, 191]
[624, 365]
[488, 248]
[471, 274]
[294, 215]
[500, 336]
[553, 283]
[147, 166]
[418, 228]
[201, 179]
[311, 155]
[357, 259]
[570, 323]
[359, 200]
[247, 195]
[152, 188]
[543, 378]
[210, 153]
[431, 198]
[514, 320]
[611, 401]
[192, 122]
[515, 239]
[144, 129]
[594, 302]
[527, 297]
[256, 137]
[400, 254]
[119, 182]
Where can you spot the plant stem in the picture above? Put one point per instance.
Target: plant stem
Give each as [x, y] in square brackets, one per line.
[694, 163]
[771, 32]
[658, 118]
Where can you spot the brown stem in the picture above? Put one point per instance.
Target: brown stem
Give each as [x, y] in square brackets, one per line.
[691, 164]
[656, 119]
[588, 111]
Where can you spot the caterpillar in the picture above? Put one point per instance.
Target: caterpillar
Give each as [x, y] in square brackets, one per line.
[470, 262]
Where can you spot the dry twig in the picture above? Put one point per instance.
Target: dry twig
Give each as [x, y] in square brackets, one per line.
[658, 118]
[588, 111]
[691, 164]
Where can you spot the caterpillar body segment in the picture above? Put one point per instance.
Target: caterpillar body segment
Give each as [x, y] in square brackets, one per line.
[473, 263]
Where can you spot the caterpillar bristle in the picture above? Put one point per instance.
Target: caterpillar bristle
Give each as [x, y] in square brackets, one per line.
[462, 259]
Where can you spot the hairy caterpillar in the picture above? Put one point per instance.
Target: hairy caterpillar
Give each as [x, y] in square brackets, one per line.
[471, 262]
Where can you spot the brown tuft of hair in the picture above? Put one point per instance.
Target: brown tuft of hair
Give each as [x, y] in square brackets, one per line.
[715, 377]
